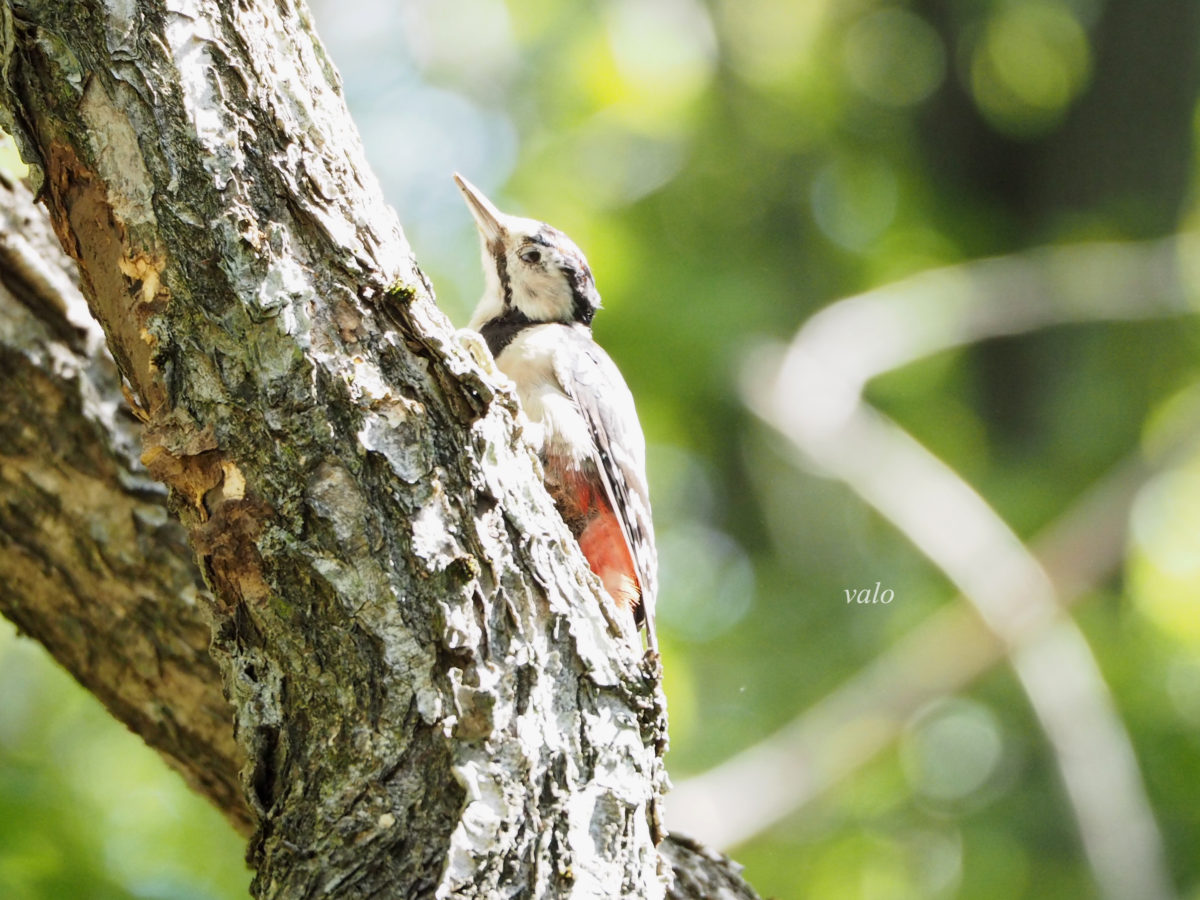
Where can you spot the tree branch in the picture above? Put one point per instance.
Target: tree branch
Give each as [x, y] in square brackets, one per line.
[426, 695]
[92, 565]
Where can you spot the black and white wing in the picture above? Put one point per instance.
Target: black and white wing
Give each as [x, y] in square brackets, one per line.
[589, 377]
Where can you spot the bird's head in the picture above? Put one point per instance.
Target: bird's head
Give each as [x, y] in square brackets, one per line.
[532, 270]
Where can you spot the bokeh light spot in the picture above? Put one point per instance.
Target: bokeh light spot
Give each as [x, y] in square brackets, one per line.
[770, 42]
[854, 201]
[951, 749]
[469, 41]
[894, 57]
[1164, 569]
[665, 52]
[708, 581]
[1183, 688]
[1030, 62]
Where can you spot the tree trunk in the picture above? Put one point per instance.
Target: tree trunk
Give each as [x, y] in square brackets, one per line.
[428, 697]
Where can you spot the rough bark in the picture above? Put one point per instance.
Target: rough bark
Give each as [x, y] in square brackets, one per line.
[91, 564]
[115, 601]
[428, 698]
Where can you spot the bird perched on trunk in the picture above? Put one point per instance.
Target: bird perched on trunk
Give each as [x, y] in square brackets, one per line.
[536, 317]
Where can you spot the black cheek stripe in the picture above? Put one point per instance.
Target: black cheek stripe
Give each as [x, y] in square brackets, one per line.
[502, 270]
[582, 308]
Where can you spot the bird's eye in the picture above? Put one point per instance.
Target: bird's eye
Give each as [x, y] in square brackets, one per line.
[531, 255]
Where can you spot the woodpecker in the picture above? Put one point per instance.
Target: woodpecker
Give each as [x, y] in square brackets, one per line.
[536, 317]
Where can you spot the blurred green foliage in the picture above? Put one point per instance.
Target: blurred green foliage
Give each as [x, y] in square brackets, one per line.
[730, 167]
[86, 809]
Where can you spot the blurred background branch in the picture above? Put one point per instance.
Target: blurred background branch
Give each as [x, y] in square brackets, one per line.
[860, 718]
[815, 399]
[816, 402]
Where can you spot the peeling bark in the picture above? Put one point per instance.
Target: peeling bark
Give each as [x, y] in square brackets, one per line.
[426, 696]
[91, 563]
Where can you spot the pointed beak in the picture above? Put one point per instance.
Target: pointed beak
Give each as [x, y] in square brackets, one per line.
[488, 219]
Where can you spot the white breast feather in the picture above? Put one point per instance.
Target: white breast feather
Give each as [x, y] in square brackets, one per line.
[529, 362]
